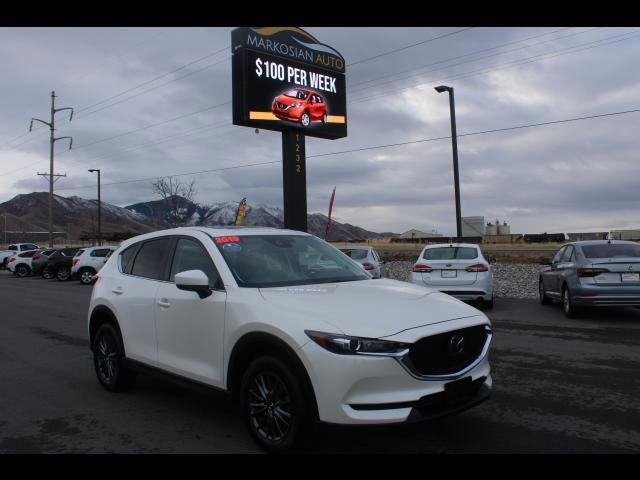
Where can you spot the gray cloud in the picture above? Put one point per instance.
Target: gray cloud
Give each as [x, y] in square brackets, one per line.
[571, 177]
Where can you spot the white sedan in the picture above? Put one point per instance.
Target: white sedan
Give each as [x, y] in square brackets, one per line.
[253, 312]
[458, 269]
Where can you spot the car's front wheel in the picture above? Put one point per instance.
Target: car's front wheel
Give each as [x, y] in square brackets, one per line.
[305, 119]
[86, 276]
[273, 405]
[63, 274]
[324, 118]
[108, 356]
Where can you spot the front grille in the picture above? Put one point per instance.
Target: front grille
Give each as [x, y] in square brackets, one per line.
[446, 353]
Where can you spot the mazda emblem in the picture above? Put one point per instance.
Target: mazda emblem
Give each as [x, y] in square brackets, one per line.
[456, 344]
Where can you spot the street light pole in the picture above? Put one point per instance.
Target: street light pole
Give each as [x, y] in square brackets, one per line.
[99, 207]
[454, 144]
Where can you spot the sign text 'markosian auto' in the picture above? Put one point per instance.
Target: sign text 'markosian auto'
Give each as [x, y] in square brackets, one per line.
[284, 78]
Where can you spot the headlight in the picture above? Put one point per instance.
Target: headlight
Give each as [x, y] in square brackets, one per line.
[296, 105]
[346, 345]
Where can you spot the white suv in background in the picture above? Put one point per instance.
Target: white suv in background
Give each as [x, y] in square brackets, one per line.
[20, 263]
[458, 269]
[252, 312]
[88, 261]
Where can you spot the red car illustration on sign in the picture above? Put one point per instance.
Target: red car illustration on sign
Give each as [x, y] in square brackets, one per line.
[300, 105]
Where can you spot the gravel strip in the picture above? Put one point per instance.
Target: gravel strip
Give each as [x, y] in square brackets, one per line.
[515, 280]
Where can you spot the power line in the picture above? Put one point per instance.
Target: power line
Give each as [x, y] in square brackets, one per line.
[117, 55]
[532, 59]
[154, 79]
[374, 147]
[155, 87]
[408, 46]
[153, 125]
[466, 61]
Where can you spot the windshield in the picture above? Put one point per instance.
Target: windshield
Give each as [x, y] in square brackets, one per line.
[611, 250]
[355, 253]
[283, 260]
[296, 94]
[450, 253]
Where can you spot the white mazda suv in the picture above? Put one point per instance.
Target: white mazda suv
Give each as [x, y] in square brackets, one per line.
[291, 328]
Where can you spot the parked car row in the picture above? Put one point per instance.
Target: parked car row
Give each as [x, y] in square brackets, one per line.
[62, 264]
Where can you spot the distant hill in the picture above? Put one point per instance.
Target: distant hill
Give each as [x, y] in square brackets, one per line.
[78, 216]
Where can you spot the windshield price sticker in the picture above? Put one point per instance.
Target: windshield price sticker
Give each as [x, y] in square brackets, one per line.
[221, 240]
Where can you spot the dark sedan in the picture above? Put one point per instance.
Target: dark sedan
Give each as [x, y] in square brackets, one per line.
[593, 273]
[59, 264]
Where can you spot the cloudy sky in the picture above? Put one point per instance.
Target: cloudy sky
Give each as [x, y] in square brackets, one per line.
[137, 92]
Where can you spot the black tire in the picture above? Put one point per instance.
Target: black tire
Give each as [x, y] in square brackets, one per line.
[324, 118]
[544, 300]
[63, 274]
[568, 307]
[108, 357]
[282, 423]
[47, 273]
[4, 263]
[22, 271]
[85, 275]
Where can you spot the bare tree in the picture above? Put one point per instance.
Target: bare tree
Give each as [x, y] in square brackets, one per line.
[177, 196]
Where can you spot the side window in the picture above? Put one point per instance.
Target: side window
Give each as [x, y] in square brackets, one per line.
[190, 255]
[12, 247]
[80, 252]
[151, 260]
[568, 255]
[99, 253]
[31, 246]
[558, 255]
[126, 258]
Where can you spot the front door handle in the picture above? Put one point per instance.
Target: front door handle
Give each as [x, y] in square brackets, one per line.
[163, 303]
[118, 291]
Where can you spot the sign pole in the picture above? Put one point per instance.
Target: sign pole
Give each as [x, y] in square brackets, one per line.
[294, 180]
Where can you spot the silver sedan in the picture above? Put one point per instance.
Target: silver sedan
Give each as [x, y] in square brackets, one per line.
[593, 273]
[365, 256]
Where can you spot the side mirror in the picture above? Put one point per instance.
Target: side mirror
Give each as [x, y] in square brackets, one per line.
[193, 281]
[493, 260]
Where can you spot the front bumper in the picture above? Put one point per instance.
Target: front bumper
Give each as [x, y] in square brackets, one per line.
[292, 114]
[367, 390]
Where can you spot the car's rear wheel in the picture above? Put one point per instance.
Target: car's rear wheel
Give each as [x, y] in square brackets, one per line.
[324, 118]
[544, 300]
[108, 357]
[273, 405]
[4, 264]
[21, 271]
[47, 273]
[63, 274]
[305, 119]
[487, 304]
[86, 275]
[569, 308]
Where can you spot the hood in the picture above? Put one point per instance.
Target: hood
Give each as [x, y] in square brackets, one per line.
[370, 308]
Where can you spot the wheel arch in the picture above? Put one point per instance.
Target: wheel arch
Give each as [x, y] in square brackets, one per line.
[101, 315]
[256, 344]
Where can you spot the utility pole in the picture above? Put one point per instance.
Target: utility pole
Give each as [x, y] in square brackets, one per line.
[51, 176]
[92, 170]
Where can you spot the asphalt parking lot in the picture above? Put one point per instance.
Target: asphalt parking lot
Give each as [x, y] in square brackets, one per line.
[560, 386]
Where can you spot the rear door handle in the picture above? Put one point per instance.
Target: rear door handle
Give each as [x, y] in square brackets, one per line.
[163, 303]
[118, 291]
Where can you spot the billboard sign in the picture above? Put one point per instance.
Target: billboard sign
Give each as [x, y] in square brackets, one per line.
[283, 78]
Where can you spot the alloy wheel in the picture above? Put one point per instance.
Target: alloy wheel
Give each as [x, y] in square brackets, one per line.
[63, 274]
[270, 407]
[107, 357]
[305, 120]
[47, 273]
[86, 276]
[22, 271]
